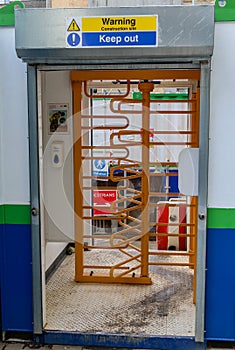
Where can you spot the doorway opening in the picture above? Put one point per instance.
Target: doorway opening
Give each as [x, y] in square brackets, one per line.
[133, 270]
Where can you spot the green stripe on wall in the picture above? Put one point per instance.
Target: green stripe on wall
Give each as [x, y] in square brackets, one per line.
[221, 218]
[2, 214]
[14, 214]
[20, 214]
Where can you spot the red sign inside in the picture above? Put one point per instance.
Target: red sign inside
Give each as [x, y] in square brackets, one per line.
[103, 199]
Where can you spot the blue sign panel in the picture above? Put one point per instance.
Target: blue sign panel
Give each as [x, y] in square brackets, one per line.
[119, 39]
[100, 167]
[73, 39]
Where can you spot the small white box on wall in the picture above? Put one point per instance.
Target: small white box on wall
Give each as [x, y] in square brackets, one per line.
[57, 154]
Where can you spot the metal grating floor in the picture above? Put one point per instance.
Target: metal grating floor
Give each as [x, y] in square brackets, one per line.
[163, 308]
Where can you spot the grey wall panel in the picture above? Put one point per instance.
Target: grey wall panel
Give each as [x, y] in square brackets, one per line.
[114, 3]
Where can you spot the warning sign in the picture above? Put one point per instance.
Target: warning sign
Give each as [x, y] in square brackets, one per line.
[112, 31]
[73, 27]
[119, 24]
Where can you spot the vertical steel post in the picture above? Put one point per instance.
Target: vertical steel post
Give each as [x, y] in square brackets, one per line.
[145, 88]
[202, 199]
[34, 197]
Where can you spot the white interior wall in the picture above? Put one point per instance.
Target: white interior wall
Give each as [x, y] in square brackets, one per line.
[53, 249]
[57, 189]
[222, 123]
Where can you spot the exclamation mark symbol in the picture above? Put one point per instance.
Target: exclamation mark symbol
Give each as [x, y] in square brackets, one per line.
[73, 39]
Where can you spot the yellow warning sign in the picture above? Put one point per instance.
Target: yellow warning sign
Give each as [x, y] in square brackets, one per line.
[119, 24]
[73, 27]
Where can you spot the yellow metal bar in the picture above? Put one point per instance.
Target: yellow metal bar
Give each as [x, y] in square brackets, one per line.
[116, 266]
[145, 88]
[163, 175]
[102, 127]
[107, 247]
[78, 195]
[130, 270]
[194, 201]
[97, 236]
[167, 143]
[167, 204]
[125, 241]
[159, 112]
[169, 132]
[131, 229]
[134, 247]
[173, 225]
[130, 100]
[108, 279]
[134, 219]
[171, 235]
[170, 253]
[169, 264]
[164, 194]
[118, 108]
[128, 254]
[94, 217]
[103, 96]
[135, 74]
[100, 267]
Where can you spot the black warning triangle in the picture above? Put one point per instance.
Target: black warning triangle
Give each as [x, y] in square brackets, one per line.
[73, 27]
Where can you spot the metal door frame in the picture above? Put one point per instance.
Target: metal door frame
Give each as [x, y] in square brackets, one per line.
[32, 71]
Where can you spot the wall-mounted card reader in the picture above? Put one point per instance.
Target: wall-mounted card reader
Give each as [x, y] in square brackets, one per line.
[57, 154]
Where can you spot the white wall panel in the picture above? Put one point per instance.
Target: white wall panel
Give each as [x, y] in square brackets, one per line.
[14, 173]
[222, 118]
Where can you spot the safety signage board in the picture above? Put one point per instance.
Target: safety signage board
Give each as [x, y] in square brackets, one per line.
[103, 199]
[100, 167]
[108, 31]
[73, 27]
